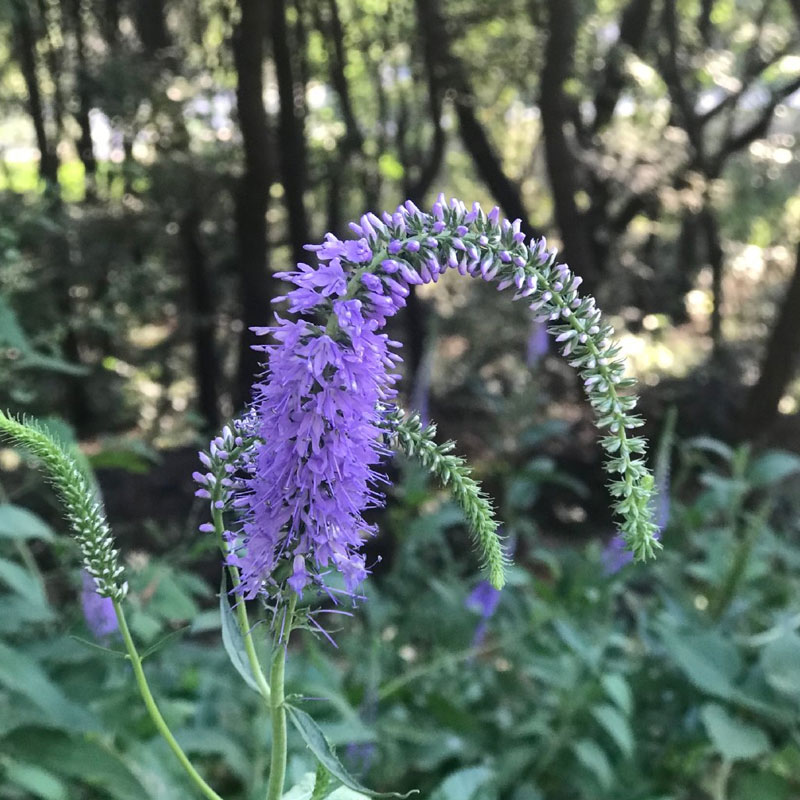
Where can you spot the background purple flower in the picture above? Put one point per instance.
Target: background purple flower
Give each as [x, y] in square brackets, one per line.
[483, 600]
[98, 611]
[538, 343]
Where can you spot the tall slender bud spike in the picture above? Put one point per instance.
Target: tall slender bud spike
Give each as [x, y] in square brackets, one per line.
[409, 436]
[82, 509]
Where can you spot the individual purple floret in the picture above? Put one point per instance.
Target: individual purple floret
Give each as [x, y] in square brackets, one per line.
[98, 611]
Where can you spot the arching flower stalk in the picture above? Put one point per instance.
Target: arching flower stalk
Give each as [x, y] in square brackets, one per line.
[325, 403]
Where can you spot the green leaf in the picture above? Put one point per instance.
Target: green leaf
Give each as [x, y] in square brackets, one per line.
[588, 651]
[95, 646]
[317, 743]
[17, 613]
[616, 726]
[11, 333]
[13, 336]
[732, 738]
[593, 757]
[80, 758]
[772, 467]
[617, 689]
[780, 660]
[708, 660]
[466, 784]
[710, 445]
[232, 637]
[19, 580]
[21, 674]
[19, 523]
[761, 786]
[207, 741]
[35, 780]
[154, 648]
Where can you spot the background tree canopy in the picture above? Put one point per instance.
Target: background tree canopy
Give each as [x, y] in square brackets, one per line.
[160, 160]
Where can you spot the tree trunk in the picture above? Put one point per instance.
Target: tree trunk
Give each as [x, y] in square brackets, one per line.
[54, 58]
[25, 40]
[253, 192]
[780, 361]
[202, 318]
[476, 141]
[151, 25]
[337, 60]
[716, 260]
[85, 147]
[633, 26]
[329, 24]
[562, 167]
[109, 17]
[291, 134]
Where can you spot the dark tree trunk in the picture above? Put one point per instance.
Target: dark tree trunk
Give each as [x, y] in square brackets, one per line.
[329, 23]
[151, 25]
[795, 4]
[85, 148]
[25, 41]
[337, 60]
[716, 260]
[562, 166]
[487, 163]
[54, 57]
[109, 21]
[202, 316]
[451, 75]
[291, 134]
[780, 361]
[253, 192]
[417, 314]
[632, 29]
[431, 163]
[704, 20]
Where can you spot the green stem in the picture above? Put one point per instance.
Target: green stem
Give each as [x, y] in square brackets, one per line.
[152, 708]
[727, 591]
[277, 772]
[241, 616]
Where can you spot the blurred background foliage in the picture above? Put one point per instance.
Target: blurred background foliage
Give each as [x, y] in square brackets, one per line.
[161, 159]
